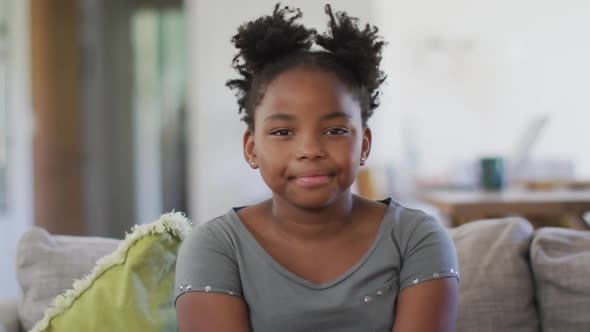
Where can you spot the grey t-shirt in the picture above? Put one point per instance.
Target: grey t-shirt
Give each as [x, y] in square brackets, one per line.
[223, 256]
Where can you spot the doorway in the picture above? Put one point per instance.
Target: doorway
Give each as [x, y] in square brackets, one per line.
[134, 107]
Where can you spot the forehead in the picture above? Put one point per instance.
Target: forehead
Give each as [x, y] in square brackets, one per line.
[308, 92]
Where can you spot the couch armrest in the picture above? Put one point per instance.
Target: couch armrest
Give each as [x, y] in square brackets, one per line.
[9, 315]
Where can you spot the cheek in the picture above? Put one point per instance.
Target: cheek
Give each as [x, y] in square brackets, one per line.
[271, 152]
[349, 149]
[271, 160]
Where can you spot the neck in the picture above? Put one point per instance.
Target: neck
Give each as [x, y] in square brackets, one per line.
[312, 224]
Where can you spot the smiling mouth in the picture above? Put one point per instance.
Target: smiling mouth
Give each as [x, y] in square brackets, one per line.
[312, 180]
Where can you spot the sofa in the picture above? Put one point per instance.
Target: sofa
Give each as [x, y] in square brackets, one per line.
[513, 277]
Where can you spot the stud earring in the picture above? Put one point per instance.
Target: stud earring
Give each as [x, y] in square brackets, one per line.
[363, 159]
[252, 163]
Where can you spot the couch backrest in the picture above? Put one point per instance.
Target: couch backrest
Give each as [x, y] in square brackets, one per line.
[561, 265]
[496, 292]
[47, 265]
[497, 289]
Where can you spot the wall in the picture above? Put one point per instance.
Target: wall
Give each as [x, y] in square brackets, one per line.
[20, 216]
[465, 78]
[219, 176]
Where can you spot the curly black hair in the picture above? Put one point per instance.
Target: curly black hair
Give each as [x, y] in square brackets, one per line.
[275, 43]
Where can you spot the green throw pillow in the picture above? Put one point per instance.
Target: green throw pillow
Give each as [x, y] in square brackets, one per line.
[129, 290]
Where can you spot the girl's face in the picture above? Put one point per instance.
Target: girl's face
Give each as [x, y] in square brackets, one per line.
[309, 141]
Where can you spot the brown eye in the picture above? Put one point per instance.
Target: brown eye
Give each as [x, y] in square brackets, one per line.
[281, 132]
[336, 131]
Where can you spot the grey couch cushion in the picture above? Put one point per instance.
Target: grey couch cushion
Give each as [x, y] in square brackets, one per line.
[8, 316]
[496, 291]
[561, 262]
[47, 265]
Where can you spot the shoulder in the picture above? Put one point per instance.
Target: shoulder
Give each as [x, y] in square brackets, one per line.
[220, 232]
[255, 218]
[410, 226]
[208, 259]
[405, 219]
[425, 245]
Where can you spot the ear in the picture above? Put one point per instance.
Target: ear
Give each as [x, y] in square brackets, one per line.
[250, 149]
[366, 145]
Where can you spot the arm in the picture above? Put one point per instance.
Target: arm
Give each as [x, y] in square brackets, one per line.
[207, 273]
[429, 287]
[430, 306]
[211, 312]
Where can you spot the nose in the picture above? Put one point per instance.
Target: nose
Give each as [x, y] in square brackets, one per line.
[310, 147]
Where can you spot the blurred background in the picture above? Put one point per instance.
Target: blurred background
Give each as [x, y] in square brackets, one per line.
[113, 112]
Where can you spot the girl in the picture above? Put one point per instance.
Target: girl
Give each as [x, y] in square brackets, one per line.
[313, 257]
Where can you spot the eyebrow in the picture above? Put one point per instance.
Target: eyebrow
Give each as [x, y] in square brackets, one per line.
[289, 117]
[280, 116]
[336, 115]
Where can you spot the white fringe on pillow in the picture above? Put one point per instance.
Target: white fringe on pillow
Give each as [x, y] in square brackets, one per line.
[174, 222]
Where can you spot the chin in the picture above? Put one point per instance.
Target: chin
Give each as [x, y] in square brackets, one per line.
[313, 200]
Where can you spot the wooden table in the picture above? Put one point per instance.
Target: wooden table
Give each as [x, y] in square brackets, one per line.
[562, 207]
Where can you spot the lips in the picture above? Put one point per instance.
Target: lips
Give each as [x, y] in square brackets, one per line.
[312, 179]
